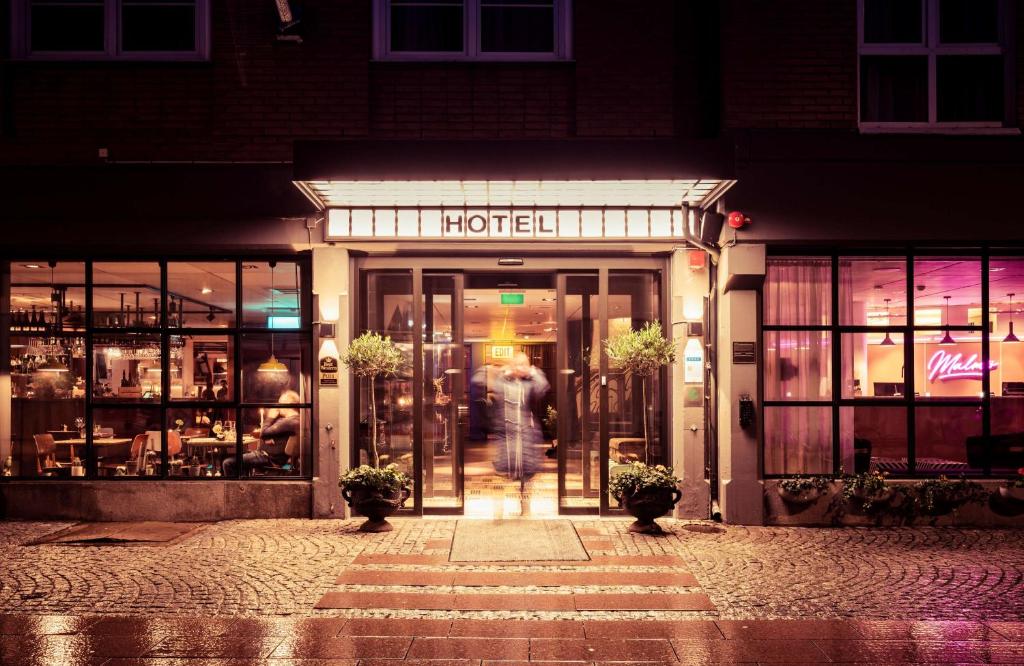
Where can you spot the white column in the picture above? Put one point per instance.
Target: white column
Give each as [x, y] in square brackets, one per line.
[688, 287]
[741, 494]
[331, 287]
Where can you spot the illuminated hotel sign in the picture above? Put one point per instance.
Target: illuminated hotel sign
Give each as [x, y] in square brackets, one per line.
[943, 366]
[505, 223]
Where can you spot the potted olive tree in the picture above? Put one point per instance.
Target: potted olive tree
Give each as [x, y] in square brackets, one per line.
[645, 491]
[373, 491]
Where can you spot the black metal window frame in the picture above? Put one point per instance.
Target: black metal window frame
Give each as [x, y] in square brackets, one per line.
[909, 401]
[165, 404]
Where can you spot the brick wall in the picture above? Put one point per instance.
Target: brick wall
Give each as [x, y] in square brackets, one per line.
[789, 63]
[258, 95]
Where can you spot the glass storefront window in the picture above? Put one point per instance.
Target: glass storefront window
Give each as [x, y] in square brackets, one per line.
[126, 368]
[873, 365]
[798, 440]
[128, 441]
[949, 440]
[797, 365]
[272, 295]
[873, 438]
[202, 367]
[201, 294]
[141, 398]
[947, 291]
[798, 292]
[275, 441]
[873, 291]
[443, 372]
[126, 294]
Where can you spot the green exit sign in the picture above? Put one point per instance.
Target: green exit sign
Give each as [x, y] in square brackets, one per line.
[513, 299]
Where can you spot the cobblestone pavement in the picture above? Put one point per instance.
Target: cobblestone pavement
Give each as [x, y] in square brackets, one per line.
[283, 567]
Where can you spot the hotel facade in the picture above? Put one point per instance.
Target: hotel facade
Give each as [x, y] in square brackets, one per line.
[814, 200]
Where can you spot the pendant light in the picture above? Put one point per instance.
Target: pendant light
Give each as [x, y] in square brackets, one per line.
[1010, 337]
[887, 341]
[272, 364]
[947, 339]
[52, 362]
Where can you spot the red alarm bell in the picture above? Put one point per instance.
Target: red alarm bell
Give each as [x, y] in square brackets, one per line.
[738, 220]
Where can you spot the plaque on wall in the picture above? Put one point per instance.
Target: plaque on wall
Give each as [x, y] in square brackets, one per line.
[744, 353]
[328, 371]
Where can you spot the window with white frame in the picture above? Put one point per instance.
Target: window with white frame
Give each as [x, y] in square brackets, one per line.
[110, 29]
[472, 29]
[933, 64]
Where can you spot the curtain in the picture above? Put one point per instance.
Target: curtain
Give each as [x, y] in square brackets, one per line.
[798, 366]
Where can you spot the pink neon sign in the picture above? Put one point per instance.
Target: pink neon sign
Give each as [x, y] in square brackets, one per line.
[944, 367]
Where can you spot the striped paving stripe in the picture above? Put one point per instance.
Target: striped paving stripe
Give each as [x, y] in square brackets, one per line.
[594, 561]
[513, 601]
[515, 578]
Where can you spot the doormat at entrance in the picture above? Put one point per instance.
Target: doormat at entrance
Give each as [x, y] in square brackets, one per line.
[146, 533]
[516, 541]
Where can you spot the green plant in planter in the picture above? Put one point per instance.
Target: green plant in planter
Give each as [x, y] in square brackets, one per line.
[370, 356]
[551, 420]
[866, 489]
[382, 479]
[936, 497]
[640, 477]
[641, 354]
[804, 488]
[1018, 482]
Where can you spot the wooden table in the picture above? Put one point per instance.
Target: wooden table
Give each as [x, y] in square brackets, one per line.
[99, 441]
[208, 444]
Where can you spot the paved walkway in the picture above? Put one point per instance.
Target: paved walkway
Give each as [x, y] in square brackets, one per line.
[319, 592]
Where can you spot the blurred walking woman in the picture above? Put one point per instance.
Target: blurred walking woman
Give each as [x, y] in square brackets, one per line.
[521, 389]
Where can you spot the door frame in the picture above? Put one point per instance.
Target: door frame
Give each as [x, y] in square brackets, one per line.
[557, 266]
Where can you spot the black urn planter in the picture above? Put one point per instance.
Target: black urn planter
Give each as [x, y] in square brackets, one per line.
[376, 505]
[646, 505]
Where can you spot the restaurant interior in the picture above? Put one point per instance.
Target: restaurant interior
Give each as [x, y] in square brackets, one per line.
[158, 369]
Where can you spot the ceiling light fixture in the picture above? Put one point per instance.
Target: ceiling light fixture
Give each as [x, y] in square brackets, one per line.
[205, 290]
[1010, 337]
[887, 341]
[947, 339]
[272, 364]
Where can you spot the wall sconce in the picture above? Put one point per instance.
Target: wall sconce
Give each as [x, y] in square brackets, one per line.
[693, 307]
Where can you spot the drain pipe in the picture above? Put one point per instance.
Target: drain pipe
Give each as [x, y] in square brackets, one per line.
[716, 511]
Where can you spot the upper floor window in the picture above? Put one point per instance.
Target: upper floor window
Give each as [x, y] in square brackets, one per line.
[110, 29]
[938, 65]
[472, 29]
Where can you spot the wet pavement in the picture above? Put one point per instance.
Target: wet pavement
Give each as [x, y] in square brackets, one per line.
[320, 592]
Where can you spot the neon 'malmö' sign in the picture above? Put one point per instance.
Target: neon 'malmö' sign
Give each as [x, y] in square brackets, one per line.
[943, 366]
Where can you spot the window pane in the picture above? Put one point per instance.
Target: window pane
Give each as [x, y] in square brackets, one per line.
[47, 405]
[443, 370]
[1007, 443]
[201, 295]
[947, 291]
[207, 436]
[894, 89]
[202, 367]
[949, 440]
[970, 88]
[968, 21]
[126, 368]
[128, 441]
[158, 25]
[798, 440]
[273, 365]
[798, 291]
[873, 291]
[48, 297]
[276, 442]
[873, 438]
[892, 21]
[126, 294]
[272, 295]
[425, 25]
[1006, 291]
[798, 365]
[67, 25]
[873, 365]
[526, 26]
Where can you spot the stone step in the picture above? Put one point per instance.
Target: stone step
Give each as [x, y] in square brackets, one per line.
[513, 601]
[419, 559]
[515, 578]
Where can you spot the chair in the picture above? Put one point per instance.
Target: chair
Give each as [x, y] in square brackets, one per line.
[46, 454]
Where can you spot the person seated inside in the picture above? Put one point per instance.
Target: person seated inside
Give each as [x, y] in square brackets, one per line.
[278, 425]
